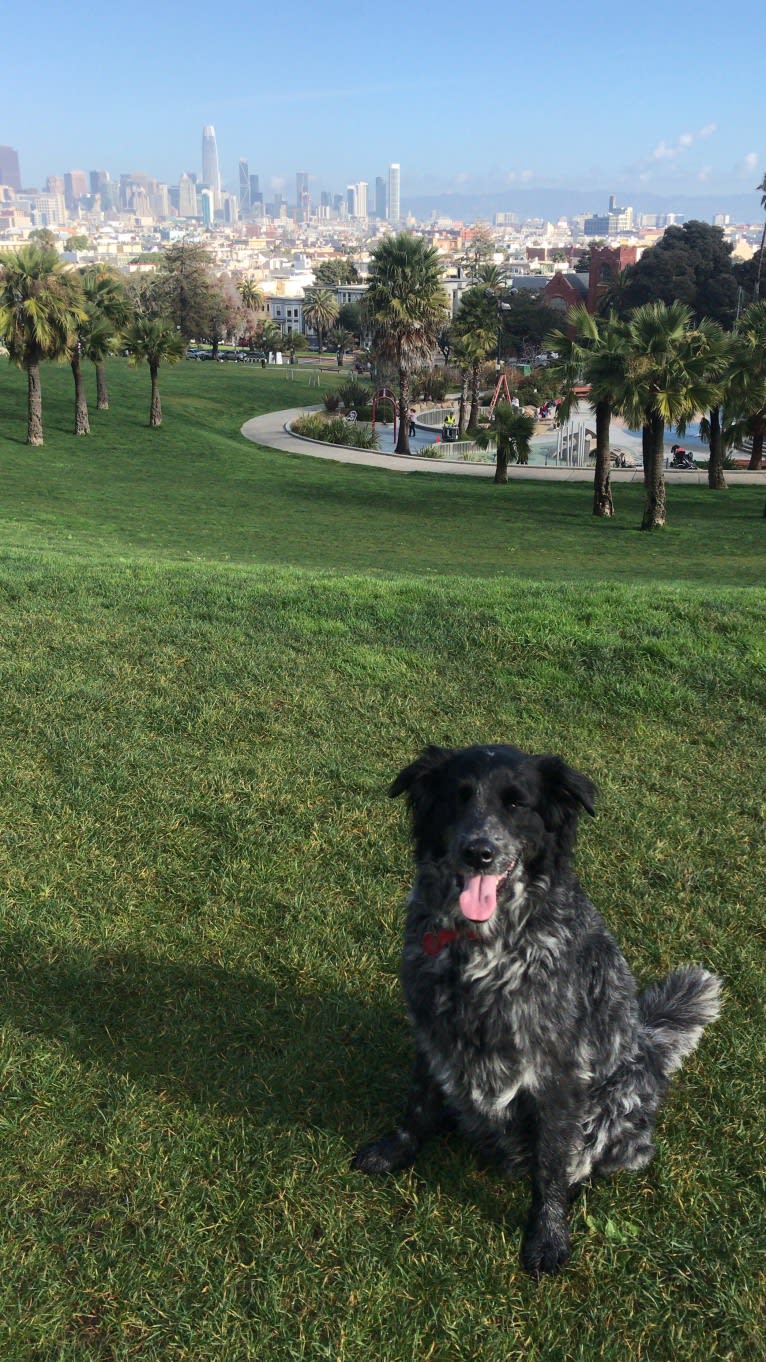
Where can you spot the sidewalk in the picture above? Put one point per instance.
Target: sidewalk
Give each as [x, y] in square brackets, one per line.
[271, 431]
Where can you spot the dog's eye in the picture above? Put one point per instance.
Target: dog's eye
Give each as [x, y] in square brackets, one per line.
[509, 798]
[464, 792]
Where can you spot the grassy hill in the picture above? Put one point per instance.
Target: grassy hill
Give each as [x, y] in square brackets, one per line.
[213, 660]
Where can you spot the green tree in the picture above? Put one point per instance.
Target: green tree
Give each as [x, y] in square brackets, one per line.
[690, 264]
[512, 430]
[252, 295]
[717, 346]
[527, 319]
[748, 378]
[41, 310]
[109, 310]
[592, 351]
[156, 341]
[667, 382]
[757, 286]
[43, 236]
[406, 306]
[320, 311]
[476, 327]
[341, 270]
[184, 291]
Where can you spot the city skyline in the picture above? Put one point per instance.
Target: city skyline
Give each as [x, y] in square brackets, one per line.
[594, 104]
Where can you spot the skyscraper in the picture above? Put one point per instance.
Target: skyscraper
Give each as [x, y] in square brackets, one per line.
[211, 175]
[244, 189]
[394, 210]
[9, 168]
[380, 198]
[302, 196]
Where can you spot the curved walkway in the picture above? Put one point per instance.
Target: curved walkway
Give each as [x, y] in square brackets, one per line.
[271, 430]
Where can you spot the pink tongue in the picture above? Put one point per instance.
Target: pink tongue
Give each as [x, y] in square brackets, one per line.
[478, 900]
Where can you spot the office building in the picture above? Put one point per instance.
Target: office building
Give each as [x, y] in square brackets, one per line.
[75, 188]
[9, 168]
[302, 196]
[211, 175]
[187, 197]
[244, 190]
[381, 198]
[394, 206]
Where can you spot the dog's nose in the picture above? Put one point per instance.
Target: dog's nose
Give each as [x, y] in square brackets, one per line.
[479, 853]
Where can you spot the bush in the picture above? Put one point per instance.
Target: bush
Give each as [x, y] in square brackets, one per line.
[431, 383]
[335, 430]
[331, 400]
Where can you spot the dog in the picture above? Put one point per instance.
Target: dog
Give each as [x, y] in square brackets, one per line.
[529, 1032]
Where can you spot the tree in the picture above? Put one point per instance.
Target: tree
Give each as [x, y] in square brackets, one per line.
[268, 336]
[716, 428]
[748, 378]
[527, 319]
[476, 327]
[667, 382]
[41, 310]
[155, 340]
[592, 351]
[512, 430]
[406, 306]
[184, 291]
[691, 265]
[252, 296]
[108, 309]
[43, 236]
[320, 311]
[491, 277]
[757, 286]
[339, 271]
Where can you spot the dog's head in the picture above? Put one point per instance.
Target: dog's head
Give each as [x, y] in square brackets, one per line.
[494, 817]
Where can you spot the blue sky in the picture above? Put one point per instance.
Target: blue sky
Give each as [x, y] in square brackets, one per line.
[662, 97]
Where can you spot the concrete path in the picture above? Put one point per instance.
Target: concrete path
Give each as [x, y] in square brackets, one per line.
[271, 430]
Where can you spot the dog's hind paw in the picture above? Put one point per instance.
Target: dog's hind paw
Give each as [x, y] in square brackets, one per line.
[386, 1155]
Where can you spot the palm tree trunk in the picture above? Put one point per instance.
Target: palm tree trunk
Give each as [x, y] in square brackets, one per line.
[155, 411]
[757, 289]
[654, 510]
[602, 490]
[646, 450]
[501, 462]
[756, 454]
[715, 477]
[403, 438]
[34, 404]
[102, 392]
[473, 419]
[463, 402]
[81, 422]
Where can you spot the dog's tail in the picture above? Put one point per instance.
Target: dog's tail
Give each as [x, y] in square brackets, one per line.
[676, 1012]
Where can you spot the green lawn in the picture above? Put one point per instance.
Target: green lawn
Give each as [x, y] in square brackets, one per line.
[213, 660]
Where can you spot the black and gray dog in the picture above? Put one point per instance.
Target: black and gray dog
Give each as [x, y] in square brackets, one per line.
[529, 1032]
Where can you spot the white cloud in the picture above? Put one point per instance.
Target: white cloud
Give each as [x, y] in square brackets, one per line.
[705, 173]
[749, 163]
[662, 152]
[708, 130]
[686, 139]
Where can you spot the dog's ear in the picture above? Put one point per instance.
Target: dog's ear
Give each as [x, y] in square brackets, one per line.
[564, 789]
[430, 759]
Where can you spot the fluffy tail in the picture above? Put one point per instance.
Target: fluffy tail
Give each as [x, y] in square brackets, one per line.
[676, 1012]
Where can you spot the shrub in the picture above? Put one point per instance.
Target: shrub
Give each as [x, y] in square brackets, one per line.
[331, 400]
[335, 430]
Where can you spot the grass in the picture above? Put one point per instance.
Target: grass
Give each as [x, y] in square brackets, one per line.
[210, 673]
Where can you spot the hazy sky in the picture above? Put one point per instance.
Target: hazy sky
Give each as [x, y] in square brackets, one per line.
[665, 95]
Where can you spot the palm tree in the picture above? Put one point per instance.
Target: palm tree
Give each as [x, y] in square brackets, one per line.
[320, 310]
[406, 306]
[268, 336]
[748, 378]
[157, 341]
[491, 277]
[591, 352]
[252, 296]
[716, 428]
[476, 327]
[41, 309]
[513, 430]
[757, 287]
[667, 382]
[108, 311]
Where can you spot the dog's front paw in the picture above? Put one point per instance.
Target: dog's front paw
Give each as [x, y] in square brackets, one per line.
[546, 1248]
[385, 1155]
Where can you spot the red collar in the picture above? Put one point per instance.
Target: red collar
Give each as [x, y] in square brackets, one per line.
[434, 942]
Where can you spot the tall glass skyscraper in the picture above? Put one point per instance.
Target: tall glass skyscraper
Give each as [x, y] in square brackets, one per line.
[394, 210]
[211, 175]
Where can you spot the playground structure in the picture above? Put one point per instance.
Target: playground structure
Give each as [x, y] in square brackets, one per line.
[383, 395]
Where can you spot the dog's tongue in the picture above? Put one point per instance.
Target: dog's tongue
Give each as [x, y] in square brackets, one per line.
[478, 899]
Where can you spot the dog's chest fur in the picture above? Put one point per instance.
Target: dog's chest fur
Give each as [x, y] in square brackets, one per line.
[484, 1015]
